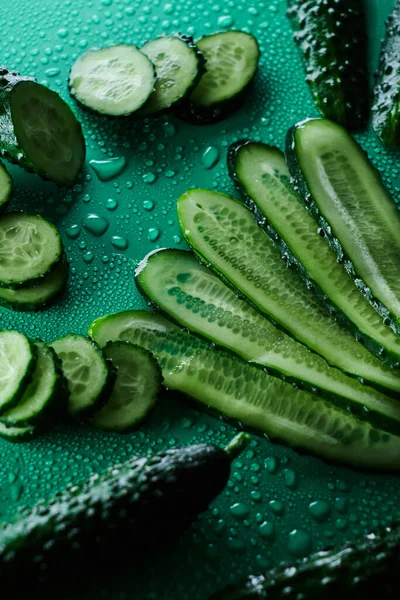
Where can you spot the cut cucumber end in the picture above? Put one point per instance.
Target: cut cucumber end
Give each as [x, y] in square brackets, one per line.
[17, 434]
[48, 132]
[6, 187]
[17, 363]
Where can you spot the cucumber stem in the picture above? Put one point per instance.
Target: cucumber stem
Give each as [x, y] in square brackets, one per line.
[237, 445]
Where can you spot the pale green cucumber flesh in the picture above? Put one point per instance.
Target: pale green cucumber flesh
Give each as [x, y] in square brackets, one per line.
[17, 362]
[263, 175]
[194, 297]
[225, 235]
[5, 187]
[17, 434]
[246, 393]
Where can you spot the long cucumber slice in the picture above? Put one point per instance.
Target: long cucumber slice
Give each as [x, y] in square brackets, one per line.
[6, 187]
[246, 393]
[264, 179]
[135, 389]
[346, 195]
[224, 234]
[194, 297]
[17, 363]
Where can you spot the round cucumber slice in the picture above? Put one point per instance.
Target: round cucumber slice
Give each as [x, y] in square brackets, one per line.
[90, 376]
[135, 390]
[114, 81]
[17, 362]
[30, 247]
[5, 187]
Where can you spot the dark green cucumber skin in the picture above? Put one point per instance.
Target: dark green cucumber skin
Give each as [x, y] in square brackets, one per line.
[367, 568]
[386, 109]
[138, 505]
[331, 35]
[4, 205]
[372, 345]
[301, 186]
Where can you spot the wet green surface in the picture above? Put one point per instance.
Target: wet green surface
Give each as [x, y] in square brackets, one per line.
[279, 504]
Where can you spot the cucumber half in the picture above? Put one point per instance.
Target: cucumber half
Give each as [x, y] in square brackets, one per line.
[5, 187]
[360, 220]
[89, 375]
[264, 179]
[135, 389]
[246, 393]
[39, 130]
[30, 247]
[17, 363]
[114, 81]
[190, 294]
[179, 65]
[231, 64]
[225, 235]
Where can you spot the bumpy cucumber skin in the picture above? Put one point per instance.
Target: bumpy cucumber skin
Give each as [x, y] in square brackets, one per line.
[129, 508]
[386, 109]
[366, 568]
[301, 186]
[201, 69]
[389, 358]
[9, 146]
[332, 37]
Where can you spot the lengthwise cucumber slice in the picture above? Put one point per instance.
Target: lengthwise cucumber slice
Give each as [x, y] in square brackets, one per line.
[89, 375]
[224, 234]
[40, 295]
[360, 220]
[191, 295]
[17, 363]
[30, 247]
[39, 131]
[5, 187]
[179, 65]
[246, 393]
[41, 392]
[114, 81]
[231, 64]
[135, 389]
[264, 179]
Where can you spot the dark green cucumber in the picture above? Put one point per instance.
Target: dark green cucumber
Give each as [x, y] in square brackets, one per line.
[190, 294]
[366, 568]
[225, 235]
[246, 393]
[359, 219]
[38, 129]
[261, 173]
[129, 508]
[386, 110]
[6, 186]
[332, 37]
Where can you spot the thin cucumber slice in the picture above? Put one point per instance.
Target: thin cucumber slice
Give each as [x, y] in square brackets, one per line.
[89, 375]
[179, 66]
[40, 295]
[39, 131]
[264, 179]
[231, 64]
[360, 220]
[41, 392]
[17, 363]
[114, 81]
[17, 434]
[224, 234]
[192, 296]
[135, 390]
[30, 247]
[6, 187]
[246, 393]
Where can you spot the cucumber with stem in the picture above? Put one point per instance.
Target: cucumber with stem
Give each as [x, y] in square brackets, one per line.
[224, 234]
[191, 295]
[262, 176]
[38, 130]
[246, 393]
[331, 35]
[340, 184]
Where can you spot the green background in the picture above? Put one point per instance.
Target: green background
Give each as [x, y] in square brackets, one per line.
[273, 484]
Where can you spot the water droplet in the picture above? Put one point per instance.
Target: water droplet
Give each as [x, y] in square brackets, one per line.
[108, 169]
[210, 157]
[111, 204]
[95, 224]
[62, 33]
[153, 234]
[52, 72]
[169, 173]
[148, 204]
[256, 496]
[277, 507]
[271, 464]
[225, 21]
[106, 2]
[169, 129]
[235, 545]
[341, 504]
[177, 239]
[239, 511]
[149, 177]
[119, 242]
[73, 231]
[300, 543]
[341, 524]
[267, 530]
[88, 257]
[319, 510]
[290, 478]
